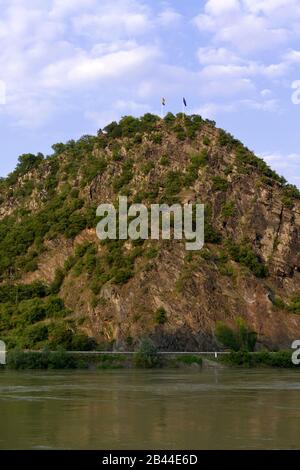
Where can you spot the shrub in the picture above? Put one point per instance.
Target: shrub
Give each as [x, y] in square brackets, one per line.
[81, 342]
[197, 161]
[282, 359]
[241, 338]
[60, 336]
[294, 305]
[278, 302]
[173, 184]
[15, 293]
[123, 275]
[227, 140]
[61, 360]
[219, 184]
[165, 161]
[180, 132]
[147, 167]
[210, 233]
[160, 316]
[228, 209]
[125, 177]
[147, 356]
[157, 138]
[245, 256]
[227, 337]
[34, 335]
[287, 202]
[169, 118]
[19, 360]
[58, 281]
[190, 359]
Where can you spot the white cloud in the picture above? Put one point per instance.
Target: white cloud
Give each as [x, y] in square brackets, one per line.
[212, 110]
[246, 25]
[83, 68]
[62, 8]
[286, 164]
[266, 92]
[169, 17]
[220, 55]
[44, 58]
[270, 105]
[112, 25]
[292, 57]
[217, 7]
[281, 10]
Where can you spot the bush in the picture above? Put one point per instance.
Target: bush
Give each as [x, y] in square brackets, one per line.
[280, 359]
[294, 305]
[160, 316]
[228, 209]
[34, 335]
[227, 337]
[58, 281]
[125, 178]
[219, 184]
[147, 167]
[123, 275]
[227, 140]
[165, 161]
[245, 256]
[83, 343]
[20, 360]
[173, 185]
[147, 356]
[197, 161]
[60, 335]
[16, 293]
[190, 359]
[93, 168]
[61, 360]
[240, 339]
[210, 233]
[44, 360]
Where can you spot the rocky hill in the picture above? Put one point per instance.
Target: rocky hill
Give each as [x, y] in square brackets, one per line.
[61, 286]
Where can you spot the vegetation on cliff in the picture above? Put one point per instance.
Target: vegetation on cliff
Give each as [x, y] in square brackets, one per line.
[61, 286]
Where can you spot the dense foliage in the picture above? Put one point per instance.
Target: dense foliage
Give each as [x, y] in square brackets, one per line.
[241, 338]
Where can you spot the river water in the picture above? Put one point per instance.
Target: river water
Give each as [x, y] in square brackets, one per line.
[165, 409]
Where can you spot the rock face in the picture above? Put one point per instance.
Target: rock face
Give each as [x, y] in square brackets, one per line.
[249, 267]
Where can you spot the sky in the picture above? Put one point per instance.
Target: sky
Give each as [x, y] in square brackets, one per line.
[69, 67]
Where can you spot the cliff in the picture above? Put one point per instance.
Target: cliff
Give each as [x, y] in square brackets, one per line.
[61, 285]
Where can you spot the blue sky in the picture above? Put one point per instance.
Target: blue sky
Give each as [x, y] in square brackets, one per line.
[72, 66]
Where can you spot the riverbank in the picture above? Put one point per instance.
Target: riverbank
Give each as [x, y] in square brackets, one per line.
[279, 359]
[43, 360]
[21, 360]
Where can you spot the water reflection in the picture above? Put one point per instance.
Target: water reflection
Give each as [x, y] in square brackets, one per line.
[211, 409]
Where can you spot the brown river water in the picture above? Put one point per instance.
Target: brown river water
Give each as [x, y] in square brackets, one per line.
[164, 409]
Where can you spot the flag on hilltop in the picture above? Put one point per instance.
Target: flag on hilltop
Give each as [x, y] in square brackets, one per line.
[184, 102]
[163, 101]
